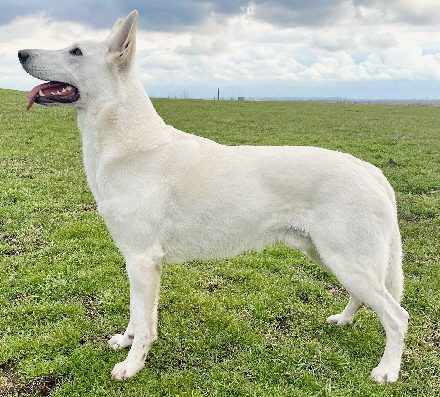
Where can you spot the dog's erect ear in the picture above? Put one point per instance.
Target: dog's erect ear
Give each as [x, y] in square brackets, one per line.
[123, 39]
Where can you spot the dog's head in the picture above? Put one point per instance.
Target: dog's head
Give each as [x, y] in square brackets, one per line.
[85, 71]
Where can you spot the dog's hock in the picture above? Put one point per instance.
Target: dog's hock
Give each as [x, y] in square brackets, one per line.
[123, 39]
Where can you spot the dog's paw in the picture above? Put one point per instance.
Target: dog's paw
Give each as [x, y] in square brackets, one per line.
[384, 374]
[126, 369]
[120, 341]
[338, 319]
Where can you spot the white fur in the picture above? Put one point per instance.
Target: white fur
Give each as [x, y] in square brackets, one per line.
[168, 196]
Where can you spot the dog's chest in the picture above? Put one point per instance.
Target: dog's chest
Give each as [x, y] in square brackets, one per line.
[91, 152]
[91, 162]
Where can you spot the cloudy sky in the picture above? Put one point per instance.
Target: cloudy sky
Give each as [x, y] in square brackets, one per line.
[257, 48]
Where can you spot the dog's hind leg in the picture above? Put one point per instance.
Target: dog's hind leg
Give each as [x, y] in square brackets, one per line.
[371, 290]
[392, 316]
[306, 245]
[347, 315]
[360, 264]
[395, 322]
[144, 276]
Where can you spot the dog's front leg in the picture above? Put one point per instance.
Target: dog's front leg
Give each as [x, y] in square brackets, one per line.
[144, 276]
[121, 341]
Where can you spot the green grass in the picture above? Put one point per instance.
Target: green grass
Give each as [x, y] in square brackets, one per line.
[249, 326]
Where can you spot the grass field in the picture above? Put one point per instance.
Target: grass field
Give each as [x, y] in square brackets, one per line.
[249, 326]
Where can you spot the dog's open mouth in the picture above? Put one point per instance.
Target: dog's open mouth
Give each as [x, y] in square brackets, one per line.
[53, 92]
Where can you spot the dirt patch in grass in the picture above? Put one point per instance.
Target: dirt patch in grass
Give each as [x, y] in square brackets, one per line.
[335, 289]
[213, 287]
[304, 297]
[282, 323]
[90, 308]
[89, 207]
[12, 251]
[19, 167]
[8, 379]
[415, 218]
[11, 239]
[432, 336]
[41, 386]
[12, 384]
[16, 245]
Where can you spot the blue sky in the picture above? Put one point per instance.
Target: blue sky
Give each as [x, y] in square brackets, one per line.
[253, 48]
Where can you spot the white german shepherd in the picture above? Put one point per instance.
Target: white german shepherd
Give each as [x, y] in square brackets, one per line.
[168, 196]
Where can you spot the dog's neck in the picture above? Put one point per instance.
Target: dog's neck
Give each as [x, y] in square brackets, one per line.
[129, 118]
[112, 130]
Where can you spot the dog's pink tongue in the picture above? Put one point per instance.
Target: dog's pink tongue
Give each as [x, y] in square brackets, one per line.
[34, 93]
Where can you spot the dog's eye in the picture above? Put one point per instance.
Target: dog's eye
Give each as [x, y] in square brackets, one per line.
[76, 51]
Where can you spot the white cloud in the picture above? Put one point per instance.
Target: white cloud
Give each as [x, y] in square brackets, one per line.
[380, 40]
[368, 44]
[420, 12]
[333, 42]
[43, 32]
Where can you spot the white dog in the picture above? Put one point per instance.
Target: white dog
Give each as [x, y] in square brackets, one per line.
[168, 196]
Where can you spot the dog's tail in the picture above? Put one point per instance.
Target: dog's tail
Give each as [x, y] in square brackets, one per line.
[394, 279]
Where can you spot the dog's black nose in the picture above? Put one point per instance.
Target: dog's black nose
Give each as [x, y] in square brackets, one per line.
[23, 56]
